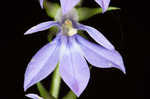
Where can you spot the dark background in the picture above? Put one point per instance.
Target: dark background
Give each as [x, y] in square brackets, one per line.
[126, 29]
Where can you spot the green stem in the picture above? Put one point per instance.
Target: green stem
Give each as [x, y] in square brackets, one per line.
[70, 95]
[55, 83]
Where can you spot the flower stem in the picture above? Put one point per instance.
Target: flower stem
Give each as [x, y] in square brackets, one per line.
[55, 83]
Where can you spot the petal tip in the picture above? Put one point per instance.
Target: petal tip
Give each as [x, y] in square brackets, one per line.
[104, 4]
[25, 89]
[26, 86]
[41, 3]
[122, 68]
[26, 33]
[33, 96]
[124, 71]
[77, 92]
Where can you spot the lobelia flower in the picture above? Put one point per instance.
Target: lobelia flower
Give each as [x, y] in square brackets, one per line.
[71, 51]
[67, 5]
[33, 96]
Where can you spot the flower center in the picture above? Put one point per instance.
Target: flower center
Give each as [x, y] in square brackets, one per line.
[68, 28]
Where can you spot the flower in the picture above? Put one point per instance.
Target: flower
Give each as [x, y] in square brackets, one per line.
[67, 5]
[71, 51]
[33, 96]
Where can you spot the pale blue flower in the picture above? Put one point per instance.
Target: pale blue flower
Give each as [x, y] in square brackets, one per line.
[71, 51]
[33, 96]
[67, 5]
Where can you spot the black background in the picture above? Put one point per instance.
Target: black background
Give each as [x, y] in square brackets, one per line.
[126, 29]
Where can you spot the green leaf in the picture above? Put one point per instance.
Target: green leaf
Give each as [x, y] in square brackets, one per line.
[85, 13]
[43, 92]
[51, 8]
[113, 8]
[70, 95]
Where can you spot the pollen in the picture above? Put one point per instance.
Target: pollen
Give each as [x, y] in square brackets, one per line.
[68, 22]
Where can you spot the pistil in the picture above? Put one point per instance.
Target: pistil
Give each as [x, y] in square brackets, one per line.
[68, 28]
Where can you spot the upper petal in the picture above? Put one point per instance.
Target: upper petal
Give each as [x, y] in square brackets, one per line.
[73, 68]
[103, 3]
[99, 56]
[97, 36]
[42, 64]
[41, 27]
[67, 5]
[33, 96]
[41, 3]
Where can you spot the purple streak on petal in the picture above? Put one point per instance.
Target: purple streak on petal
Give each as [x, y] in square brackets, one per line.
[41, 27]
[42, 64]
[97, 36]
[67, 5]
[99, 56]
[73, 67]
[41, 3]
[33, 96]
[104, 4]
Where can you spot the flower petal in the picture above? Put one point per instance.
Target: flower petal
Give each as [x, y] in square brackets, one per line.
[97, 36]
[42, 64]
[41, 3]
[104, 4]
[99, 56]
[33, 96]
[41, 27]
[67, 5]
[73, 67]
